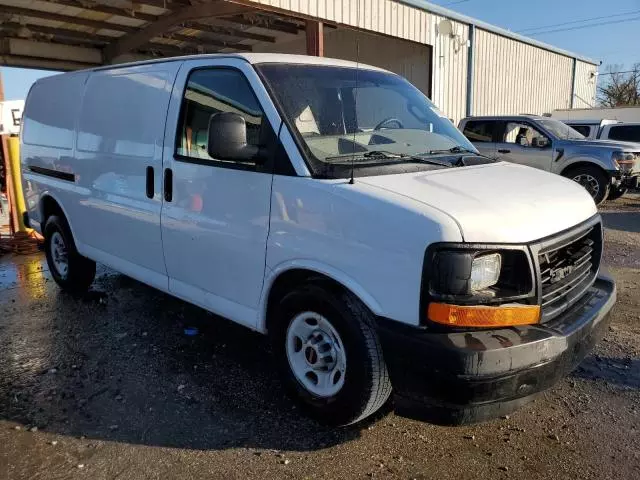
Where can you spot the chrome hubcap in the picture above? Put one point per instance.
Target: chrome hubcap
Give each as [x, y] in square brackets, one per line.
[316, 354]
[59, 255]
[588, 182]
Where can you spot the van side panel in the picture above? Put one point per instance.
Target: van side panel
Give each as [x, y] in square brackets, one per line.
[120, 136]
[47, 136]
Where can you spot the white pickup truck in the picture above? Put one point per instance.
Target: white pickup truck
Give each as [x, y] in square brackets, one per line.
[331, 206]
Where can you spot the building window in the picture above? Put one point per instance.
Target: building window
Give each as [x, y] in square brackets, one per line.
[211, 91]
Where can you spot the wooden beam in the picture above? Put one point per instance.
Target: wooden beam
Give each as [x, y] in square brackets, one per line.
[108, 10]
[57, 32]
[315, 38]
[205, 28]
[208, 42]
[133, 40]
[265, 23]
[228, 31]
[28, 12]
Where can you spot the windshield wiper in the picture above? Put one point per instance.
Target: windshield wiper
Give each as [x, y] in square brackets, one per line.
[456, 149]
[383, 154]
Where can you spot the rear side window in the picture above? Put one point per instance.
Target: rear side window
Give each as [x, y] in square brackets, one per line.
[479, 130]
[50, 114]
[211, 91]
[625, 133]
[583, 129]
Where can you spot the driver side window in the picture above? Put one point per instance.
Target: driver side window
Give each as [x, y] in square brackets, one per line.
[523, 134]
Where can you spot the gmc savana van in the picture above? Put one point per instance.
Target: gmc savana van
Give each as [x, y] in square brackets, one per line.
[331, 206]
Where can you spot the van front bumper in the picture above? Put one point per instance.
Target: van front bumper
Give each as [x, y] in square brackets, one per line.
[470, 376]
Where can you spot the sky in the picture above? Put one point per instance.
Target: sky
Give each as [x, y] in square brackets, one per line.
[612, 38]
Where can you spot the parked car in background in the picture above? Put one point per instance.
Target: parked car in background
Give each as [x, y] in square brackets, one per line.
[626, 132]
[367, 238]
[605, 168]
[591, 129]
[606, 130]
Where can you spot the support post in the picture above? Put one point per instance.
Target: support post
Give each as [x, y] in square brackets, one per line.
[572, 100]
[315, 38]
[470, 68]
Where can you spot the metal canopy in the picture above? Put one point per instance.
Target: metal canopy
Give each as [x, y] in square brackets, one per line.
[73, 34]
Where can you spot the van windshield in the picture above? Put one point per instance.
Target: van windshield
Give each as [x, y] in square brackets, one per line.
[371, 118]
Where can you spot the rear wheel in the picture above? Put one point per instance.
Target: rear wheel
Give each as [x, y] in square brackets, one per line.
[592, 179]
[329, 355]
[616, 192]
[70, 270]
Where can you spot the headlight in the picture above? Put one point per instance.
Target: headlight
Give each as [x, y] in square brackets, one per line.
[485, 271]
[623, 160]
[466, 273]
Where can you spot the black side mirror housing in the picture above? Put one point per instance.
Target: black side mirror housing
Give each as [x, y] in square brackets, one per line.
[228, 139]
[539, 142]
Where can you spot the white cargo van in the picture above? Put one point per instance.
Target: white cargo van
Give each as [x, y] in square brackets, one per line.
[331, 206]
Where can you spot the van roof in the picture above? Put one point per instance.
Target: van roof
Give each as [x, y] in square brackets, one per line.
[253, 58]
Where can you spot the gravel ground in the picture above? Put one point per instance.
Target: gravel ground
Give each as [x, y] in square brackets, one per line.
[110, 387]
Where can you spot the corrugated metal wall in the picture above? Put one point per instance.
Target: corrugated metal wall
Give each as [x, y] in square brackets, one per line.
[410, 59]
[383, 16]
[391, 18]
[450, 70]
[585, 85]
[511, 77]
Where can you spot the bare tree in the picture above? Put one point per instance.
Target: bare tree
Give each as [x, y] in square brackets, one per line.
[620, 88]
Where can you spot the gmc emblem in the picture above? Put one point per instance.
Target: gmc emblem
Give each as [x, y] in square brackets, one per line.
[560, 273]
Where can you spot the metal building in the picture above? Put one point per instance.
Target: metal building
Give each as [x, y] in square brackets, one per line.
[464, 65]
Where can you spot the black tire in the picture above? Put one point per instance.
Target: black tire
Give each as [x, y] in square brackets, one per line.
[80, 270]
[616, 192]
[366, 385]
[583, 175]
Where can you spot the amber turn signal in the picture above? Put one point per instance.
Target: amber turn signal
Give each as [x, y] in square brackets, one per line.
[483, 316]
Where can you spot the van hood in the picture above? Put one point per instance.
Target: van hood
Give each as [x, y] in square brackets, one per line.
[496, 203]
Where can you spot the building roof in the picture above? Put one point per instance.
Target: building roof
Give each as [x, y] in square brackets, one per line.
[458, 17]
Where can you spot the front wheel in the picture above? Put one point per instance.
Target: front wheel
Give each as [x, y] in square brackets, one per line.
[70, 270]
[592, 179]
[329, 355]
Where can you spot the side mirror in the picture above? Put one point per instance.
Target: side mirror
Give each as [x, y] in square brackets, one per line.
[228, 139]
[539, 142]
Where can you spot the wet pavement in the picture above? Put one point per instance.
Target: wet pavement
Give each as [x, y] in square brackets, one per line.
[109, 386]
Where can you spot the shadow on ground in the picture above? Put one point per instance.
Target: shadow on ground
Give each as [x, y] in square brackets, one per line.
[116, 365]
[621, 372]
[624, 221]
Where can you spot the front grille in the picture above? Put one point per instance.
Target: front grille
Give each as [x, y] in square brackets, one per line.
[567, 268]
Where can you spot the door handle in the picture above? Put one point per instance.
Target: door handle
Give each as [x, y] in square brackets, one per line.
[504, 150]
[168, 184]
[150, 183]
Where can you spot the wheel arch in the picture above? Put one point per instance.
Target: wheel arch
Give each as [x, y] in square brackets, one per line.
[583, 163]
[283, 278]
[49, 205]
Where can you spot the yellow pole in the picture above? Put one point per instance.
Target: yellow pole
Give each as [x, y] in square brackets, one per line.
[18, 198]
